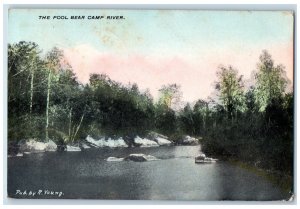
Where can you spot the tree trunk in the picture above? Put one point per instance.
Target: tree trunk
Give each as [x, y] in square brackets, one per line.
[203, 122]
[31, 90]
[47, 106]
[70, 123]
[78, 127]
[193, 126]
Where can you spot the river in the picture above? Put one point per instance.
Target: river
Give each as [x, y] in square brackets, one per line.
[175, 176]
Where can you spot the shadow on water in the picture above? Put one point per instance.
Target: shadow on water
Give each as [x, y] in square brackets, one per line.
[88, 175]
[240, 184]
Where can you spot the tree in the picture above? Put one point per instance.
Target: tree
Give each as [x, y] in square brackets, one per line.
[187, 120]
[270, 81]
[230, 88]
[25, 87]
[201, 112]
[165, 119]
[170, 96]
[68, 105]
[250, 100]
[23, 61]
[53, 59]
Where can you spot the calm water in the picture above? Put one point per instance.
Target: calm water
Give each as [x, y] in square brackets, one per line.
[175, 177]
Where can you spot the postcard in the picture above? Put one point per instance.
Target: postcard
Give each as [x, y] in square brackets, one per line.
[115, 104]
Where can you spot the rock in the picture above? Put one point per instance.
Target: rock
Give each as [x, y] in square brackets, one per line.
[73, 149]
[140, 157]
[203, 159]
[159, 138]
[114, 159]
[19, 155]
[34, 146]
[92, 141]
[153, 135]
[85, 146]
[162, 141]
[152, 140]
[116, 143]
[208, 159]
[187, 140]
[107, 143]
[133, 157]
[145, 142]
[51, 146]
[200, 157]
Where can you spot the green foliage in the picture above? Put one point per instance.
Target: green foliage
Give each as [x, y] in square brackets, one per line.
[25, 127]
[230, 88]
[23, 59]
[165, 120]
[186, 119]
[261, 134]
[270, 81]
[115, 107]
[170, 96]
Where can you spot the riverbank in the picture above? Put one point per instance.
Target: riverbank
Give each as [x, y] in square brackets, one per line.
[152, 139]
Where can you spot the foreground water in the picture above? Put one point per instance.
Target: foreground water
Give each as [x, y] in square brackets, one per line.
[175, 176]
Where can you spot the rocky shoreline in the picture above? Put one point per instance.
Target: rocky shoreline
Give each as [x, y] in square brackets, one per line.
[151, 140]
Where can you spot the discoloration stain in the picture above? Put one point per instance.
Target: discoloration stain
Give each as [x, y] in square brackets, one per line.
[120, 35]
[288, 13]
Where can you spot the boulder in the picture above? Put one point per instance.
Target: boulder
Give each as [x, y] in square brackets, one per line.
[144, 142]
[113, 143]
[187, 140]
[73, 149]
[19, 155]
[160, 139]
[93, 142]
[200, 157]
[203, 159]
[153, 135]
[140, 158]
[114, 159]
[102, 142]
[85, 146]
[32, 145]
[51, 146]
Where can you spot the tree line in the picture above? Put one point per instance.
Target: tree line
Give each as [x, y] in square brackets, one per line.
[46, 101]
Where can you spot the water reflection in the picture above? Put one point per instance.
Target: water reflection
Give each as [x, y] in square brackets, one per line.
[239, 184]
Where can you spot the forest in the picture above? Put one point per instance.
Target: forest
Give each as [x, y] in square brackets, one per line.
[255, 124]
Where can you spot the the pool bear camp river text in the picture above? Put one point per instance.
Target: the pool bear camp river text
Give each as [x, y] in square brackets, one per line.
[82, 17]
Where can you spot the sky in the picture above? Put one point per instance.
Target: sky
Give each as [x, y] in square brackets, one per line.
[159, 47]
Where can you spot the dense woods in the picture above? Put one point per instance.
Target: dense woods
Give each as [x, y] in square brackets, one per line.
[255, 124]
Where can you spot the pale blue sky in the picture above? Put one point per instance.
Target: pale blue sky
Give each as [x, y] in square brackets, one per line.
[144, 31]
[153, 48]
